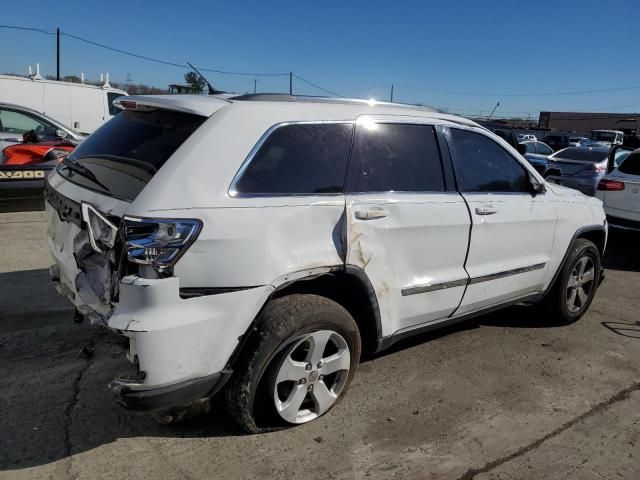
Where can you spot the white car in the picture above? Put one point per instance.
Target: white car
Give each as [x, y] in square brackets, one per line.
[522, 137]
[258, 244]
[619, 191]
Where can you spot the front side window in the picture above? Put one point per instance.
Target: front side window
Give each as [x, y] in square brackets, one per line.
[299, 159]
[111, 96]
[484, 166]
[17, 122]
[397, 157]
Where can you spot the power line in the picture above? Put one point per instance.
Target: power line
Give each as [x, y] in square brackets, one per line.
[317, 86]
[143, 57]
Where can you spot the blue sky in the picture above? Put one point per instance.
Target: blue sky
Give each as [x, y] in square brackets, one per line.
[497, 48]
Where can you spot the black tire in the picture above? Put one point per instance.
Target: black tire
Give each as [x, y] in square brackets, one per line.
[556, 302]
[249, 394]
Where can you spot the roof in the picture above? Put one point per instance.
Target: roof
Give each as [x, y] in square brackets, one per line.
[206, 105]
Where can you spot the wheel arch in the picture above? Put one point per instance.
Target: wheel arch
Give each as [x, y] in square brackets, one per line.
[593, 233]
[349, 286]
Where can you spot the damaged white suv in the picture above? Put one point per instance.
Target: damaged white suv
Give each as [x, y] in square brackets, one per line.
[258, 244]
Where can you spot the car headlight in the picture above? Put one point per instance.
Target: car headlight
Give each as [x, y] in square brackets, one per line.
[158, 242]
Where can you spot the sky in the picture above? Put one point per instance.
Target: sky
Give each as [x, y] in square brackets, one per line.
[463, 56]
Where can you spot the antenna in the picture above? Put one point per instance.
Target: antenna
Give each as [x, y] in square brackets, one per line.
[493, 111]
[212, 89]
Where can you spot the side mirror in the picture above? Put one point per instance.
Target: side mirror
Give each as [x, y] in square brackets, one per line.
[522, 148]
[61, 133]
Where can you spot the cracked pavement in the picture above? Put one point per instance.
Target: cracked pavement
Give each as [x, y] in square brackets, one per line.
[502, 397]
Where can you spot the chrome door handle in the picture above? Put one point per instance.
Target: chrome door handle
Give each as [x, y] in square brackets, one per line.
[487, 210]
[370, 214]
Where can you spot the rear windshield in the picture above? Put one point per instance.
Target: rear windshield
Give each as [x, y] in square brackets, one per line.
[583, 154]
[125, 153]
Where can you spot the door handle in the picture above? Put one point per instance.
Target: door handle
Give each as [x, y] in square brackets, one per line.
[370, 214]
[486, 210]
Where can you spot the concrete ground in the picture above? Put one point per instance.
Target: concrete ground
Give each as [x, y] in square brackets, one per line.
[502, 397]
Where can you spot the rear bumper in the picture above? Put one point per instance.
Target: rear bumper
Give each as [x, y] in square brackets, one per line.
[165, 398]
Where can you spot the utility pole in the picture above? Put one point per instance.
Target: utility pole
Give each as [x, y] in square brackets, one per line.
[57, 54]
[290, 83]
[255, 85]
[391, 100]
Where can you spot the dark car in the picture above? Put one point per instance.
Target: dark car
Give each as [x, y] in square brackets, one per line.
[537, 154]
[557, 141]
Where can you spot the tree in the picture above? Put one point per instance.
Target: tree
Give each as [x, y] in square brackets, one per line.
[195, 81]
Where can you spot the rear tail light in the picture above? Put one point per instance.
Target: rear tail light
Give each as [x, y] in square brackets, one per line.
[610, 185]
[158, 242]
[596, 167]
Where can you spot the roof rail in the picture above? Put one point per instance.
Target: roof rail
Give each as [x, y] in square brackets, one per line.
[285, 97]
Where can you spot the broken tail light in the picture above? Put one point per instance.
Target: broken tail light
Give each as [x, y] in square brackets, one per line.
[158, 242]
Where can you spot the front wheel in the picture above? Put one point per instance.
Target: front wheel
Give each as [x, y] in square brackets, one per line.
[296, 366]
[575, 287]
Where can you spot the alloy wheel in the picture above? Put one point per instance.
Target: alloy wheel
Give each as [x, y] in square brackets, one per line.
[580, 284]
[311, 376]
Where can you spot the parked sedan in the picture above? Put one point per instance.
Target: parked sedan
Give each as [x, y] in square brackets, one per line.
[16, 120]
[537, 154]
[619, 191]
[582, 168]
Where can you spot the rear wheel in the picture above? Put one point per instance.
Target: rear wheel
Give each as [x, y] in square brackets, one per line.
[575, 287]
[296, 366]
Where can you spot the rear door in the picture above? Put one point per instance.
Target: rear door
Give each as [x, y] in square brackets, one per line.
[407, 227]
[513, 230]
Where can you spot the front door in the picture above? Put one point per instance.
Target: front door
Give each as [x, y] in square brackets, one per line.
[407, 229]
[513, 229]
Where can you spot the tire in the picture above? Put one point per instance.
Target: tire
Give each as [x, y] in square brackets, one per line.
[574, 289]
[261, 396]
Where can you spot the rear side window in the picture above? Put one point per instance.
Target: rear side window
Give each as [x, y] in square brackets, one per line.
[397, 157]
[125, 153]
[299, 159]
[484, 166]
[631, 165]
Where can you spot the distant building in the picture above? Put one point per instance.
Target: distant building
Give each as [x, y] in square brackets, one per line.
[581, 122]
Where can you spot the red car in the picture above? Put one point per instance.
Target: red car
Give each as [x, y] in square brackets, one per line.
[25, 166]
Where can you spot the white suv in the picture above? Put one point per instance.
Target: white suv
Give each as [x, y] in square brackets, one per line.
[259, 244]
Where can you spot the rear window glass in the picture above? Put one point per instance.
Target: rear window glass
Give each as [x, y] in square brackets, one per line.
[583, 154]
[631, 165]
[299, 159]
[125, 153]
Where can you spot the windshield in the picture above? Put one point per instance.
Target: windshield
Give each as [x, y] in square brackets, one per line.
[124, 154]
[603, 136]
[582, 154]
